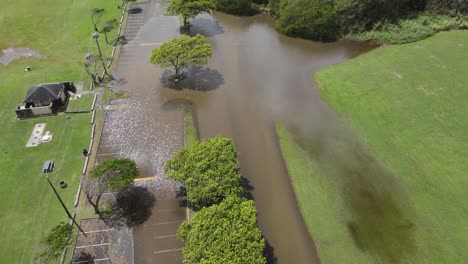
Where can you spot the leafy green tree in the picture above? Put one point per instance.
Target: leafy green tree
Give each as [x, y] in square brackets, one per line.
[309, 19]
[107, 27]
[182, 52]
[236, 7]
[209, 171]
[225, 233]
[52, 245]
[190, 9]
[96, 14]
[115, 175]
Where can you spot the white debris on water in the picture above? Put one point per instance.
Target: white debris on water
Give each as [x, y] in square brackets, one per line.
[138, 130]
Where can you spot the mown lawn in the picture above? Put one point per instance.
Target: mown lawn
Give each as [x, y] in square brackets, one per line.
[407, 106]
[61, 31]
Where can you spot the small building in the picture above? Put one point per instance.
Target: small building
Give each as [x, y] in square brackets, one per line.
[45, 99]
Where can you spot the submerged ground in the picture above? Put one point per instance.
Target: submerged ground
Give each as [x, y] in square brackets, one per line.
[407, 106]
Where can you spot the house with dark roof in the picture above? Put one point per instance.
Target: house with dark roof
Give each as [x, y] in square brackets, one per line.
[45, 99]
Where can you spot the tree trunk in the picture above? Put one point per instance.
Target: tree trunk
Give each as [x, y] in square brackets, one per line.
[107, 40]
[185, 22]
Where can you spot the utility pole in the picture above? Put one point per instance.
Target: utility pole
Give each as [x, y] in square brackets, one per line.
[96, 37]
[64, 207]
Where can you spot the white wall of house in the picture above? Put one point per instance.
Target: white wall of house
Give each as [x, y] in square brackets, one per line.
[42, 110]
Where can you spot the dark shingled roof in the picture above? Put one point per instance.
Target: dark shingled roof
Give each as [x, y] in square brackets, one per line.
[44, 92]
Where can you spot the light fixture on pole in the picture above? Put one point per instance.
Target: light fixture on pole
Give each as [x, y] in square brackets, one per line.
[96, 37]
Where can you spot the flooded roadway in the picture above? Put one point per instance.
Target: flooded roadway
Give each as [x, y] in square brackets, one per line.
[256, 77]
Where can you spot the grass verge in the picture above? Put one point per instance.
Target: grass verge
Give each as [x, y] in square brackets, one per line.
[407, 104]
[190, 130]
[61, 32]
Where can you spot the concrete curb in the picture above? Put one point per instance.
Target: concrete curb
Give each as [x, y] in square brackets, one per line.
[94, 102]
[92, 117]
[92, 131]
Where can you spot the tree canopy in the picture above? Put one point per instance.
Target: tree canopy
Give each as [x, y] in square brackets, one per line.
[190, 8]
[224, 233]
[236, 7]
[308, 19]
[115, 175]
[209, 171]
[54, 242]
[122, 172]
[182, 52]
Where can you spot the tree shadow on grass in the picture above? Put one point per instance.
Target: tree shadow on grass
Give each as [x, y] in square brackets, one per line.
[198, 79]
[131, 207]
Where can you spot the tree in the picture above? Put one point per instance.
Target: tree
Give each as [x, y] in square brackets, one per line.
[309, 19]
[190, 9]
[111, 175]
[107, 27]
[224, 233]
[182, 52]
[96, 14]
[209, 171]
[54, 242]
[236, 7]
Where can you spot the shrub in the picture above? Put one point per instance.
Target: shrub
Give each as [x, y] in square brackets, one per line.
[236, 7]
[224, 233]
[308, 19]
[412, 29]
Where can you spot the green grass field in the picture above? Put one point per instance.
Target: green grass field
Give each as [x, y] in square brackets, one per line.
[61, 31]
[407, 106]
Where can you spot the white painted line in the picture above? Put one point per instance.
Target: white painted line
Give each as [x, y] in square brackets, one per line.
[159, 237]
[170, 250]
[101, 259]
[150, 44]
[108, 154]
[95, 245]
[106, 146]
[98, 231]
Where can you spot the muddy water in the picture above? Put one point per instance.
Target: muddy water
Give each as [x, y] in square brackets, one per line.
[255, 77]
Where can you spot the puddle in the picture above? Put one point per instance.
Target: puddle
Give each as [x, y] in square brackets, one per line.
[12, 54]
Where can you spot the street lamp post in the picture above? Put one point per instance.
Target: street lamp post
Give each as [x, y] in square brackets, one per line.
[64, 207]
[96, 37]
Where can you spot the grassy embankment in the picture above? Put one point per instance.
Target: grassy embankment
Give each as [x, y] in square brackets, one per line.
[411, 28]
[61, 32]
[190, 129]
[407, 105]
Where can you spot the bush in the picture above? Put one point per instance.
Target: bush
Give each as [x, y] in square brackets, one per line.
[412, 29]
[448, 7]
[209, 171]
[224, 233]
[236, 7]
[308, 19]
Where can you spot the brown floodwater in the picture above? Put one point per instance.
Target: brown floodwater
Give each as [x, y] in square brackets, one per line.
[255, 78]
